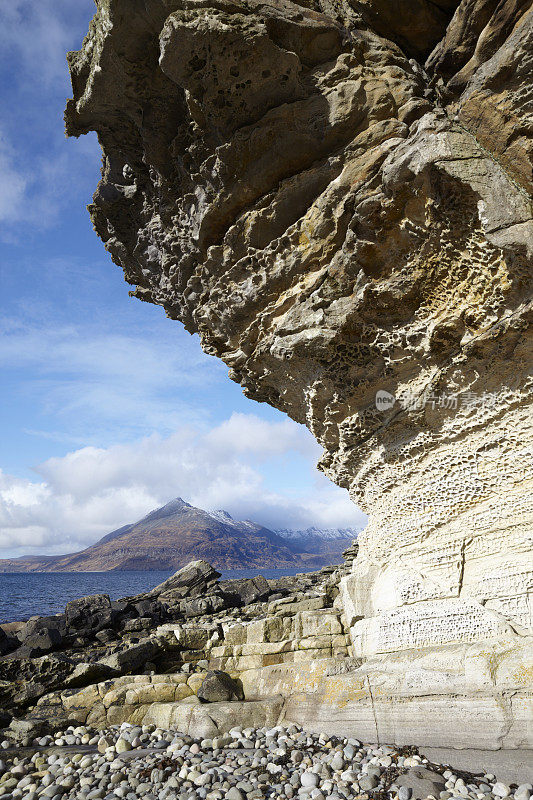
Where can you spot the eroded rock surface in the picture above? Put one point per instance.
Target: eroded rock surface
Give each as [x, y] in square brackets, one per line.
[337, 198]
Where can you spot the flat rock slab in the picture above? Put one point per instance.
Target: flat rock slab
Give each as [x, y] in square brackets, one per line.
[211, 719]
[509, 765]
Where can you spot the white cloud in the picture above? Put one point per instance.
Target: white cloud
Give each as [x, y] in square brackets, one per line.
[91, 491]
[246, 433]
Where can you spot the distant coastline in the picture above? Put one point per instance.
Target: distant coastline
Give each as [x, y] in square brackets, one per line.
[170, 537]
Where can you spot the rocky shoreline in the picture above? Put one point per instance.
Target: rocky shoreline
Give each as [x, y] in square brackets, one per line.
[167, 630]
[176, 694]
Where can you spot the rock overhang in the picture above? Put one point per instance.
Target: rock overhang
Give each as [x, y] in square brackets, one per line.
[336, 219]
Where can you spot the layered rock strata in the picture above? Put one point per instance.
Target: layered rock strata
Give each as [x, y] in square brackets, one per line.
[174, 628]
[337, 198]
[288, 655]
[298, 649]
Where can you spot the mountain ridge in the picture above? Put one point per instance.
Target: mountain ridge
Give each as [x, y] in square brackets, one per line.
[176, 533]
[322, 533]
[332, 541]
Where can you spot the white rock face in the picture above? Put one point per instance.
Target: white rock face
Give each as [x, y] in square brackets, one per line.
[447, 556]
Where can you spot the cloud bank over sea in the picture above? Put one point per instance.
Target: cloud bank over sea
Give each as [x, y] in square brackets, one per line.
[236, 465]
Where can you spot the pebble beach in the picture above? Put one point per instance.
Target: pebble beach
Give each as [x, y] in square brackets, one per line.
[280, 763]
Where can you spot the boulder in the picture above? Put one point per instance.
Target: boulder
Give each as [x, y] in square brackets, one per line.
[26, 729]
[24, 680]
[133, 658]
[422, 782]
[195, 680]
[121, 607]
[128, 611]
[192, 638]
[38, 645]
[49, 712]
[89, 614]
[218, 686]
[189, 581]
[106, 635]
[40, 635]
[204, 605]
[87, 673]
[205, 722]
[160, 692]
[139, 624]
[7, 643]
[248, 590]
[148, 608]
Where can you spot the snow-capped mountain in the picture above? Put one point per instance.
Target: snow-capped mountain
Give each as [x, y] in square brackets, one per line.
[171, 536]
[221, 515]
[319, 540]
[318, 533]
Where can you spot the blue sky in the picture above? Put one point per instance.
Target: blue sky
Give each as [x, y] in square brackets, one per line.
[108, 408]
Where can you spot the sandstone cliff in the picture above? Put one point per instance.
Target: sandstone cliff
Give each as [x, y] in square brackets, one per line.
[336, 196]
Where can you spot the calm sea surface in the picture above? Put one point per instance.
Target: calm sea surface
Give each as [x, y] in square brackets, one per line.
[24, 594]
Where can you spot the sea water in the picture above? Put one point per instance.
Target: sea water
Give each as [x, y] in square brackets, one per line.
[24, 594]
